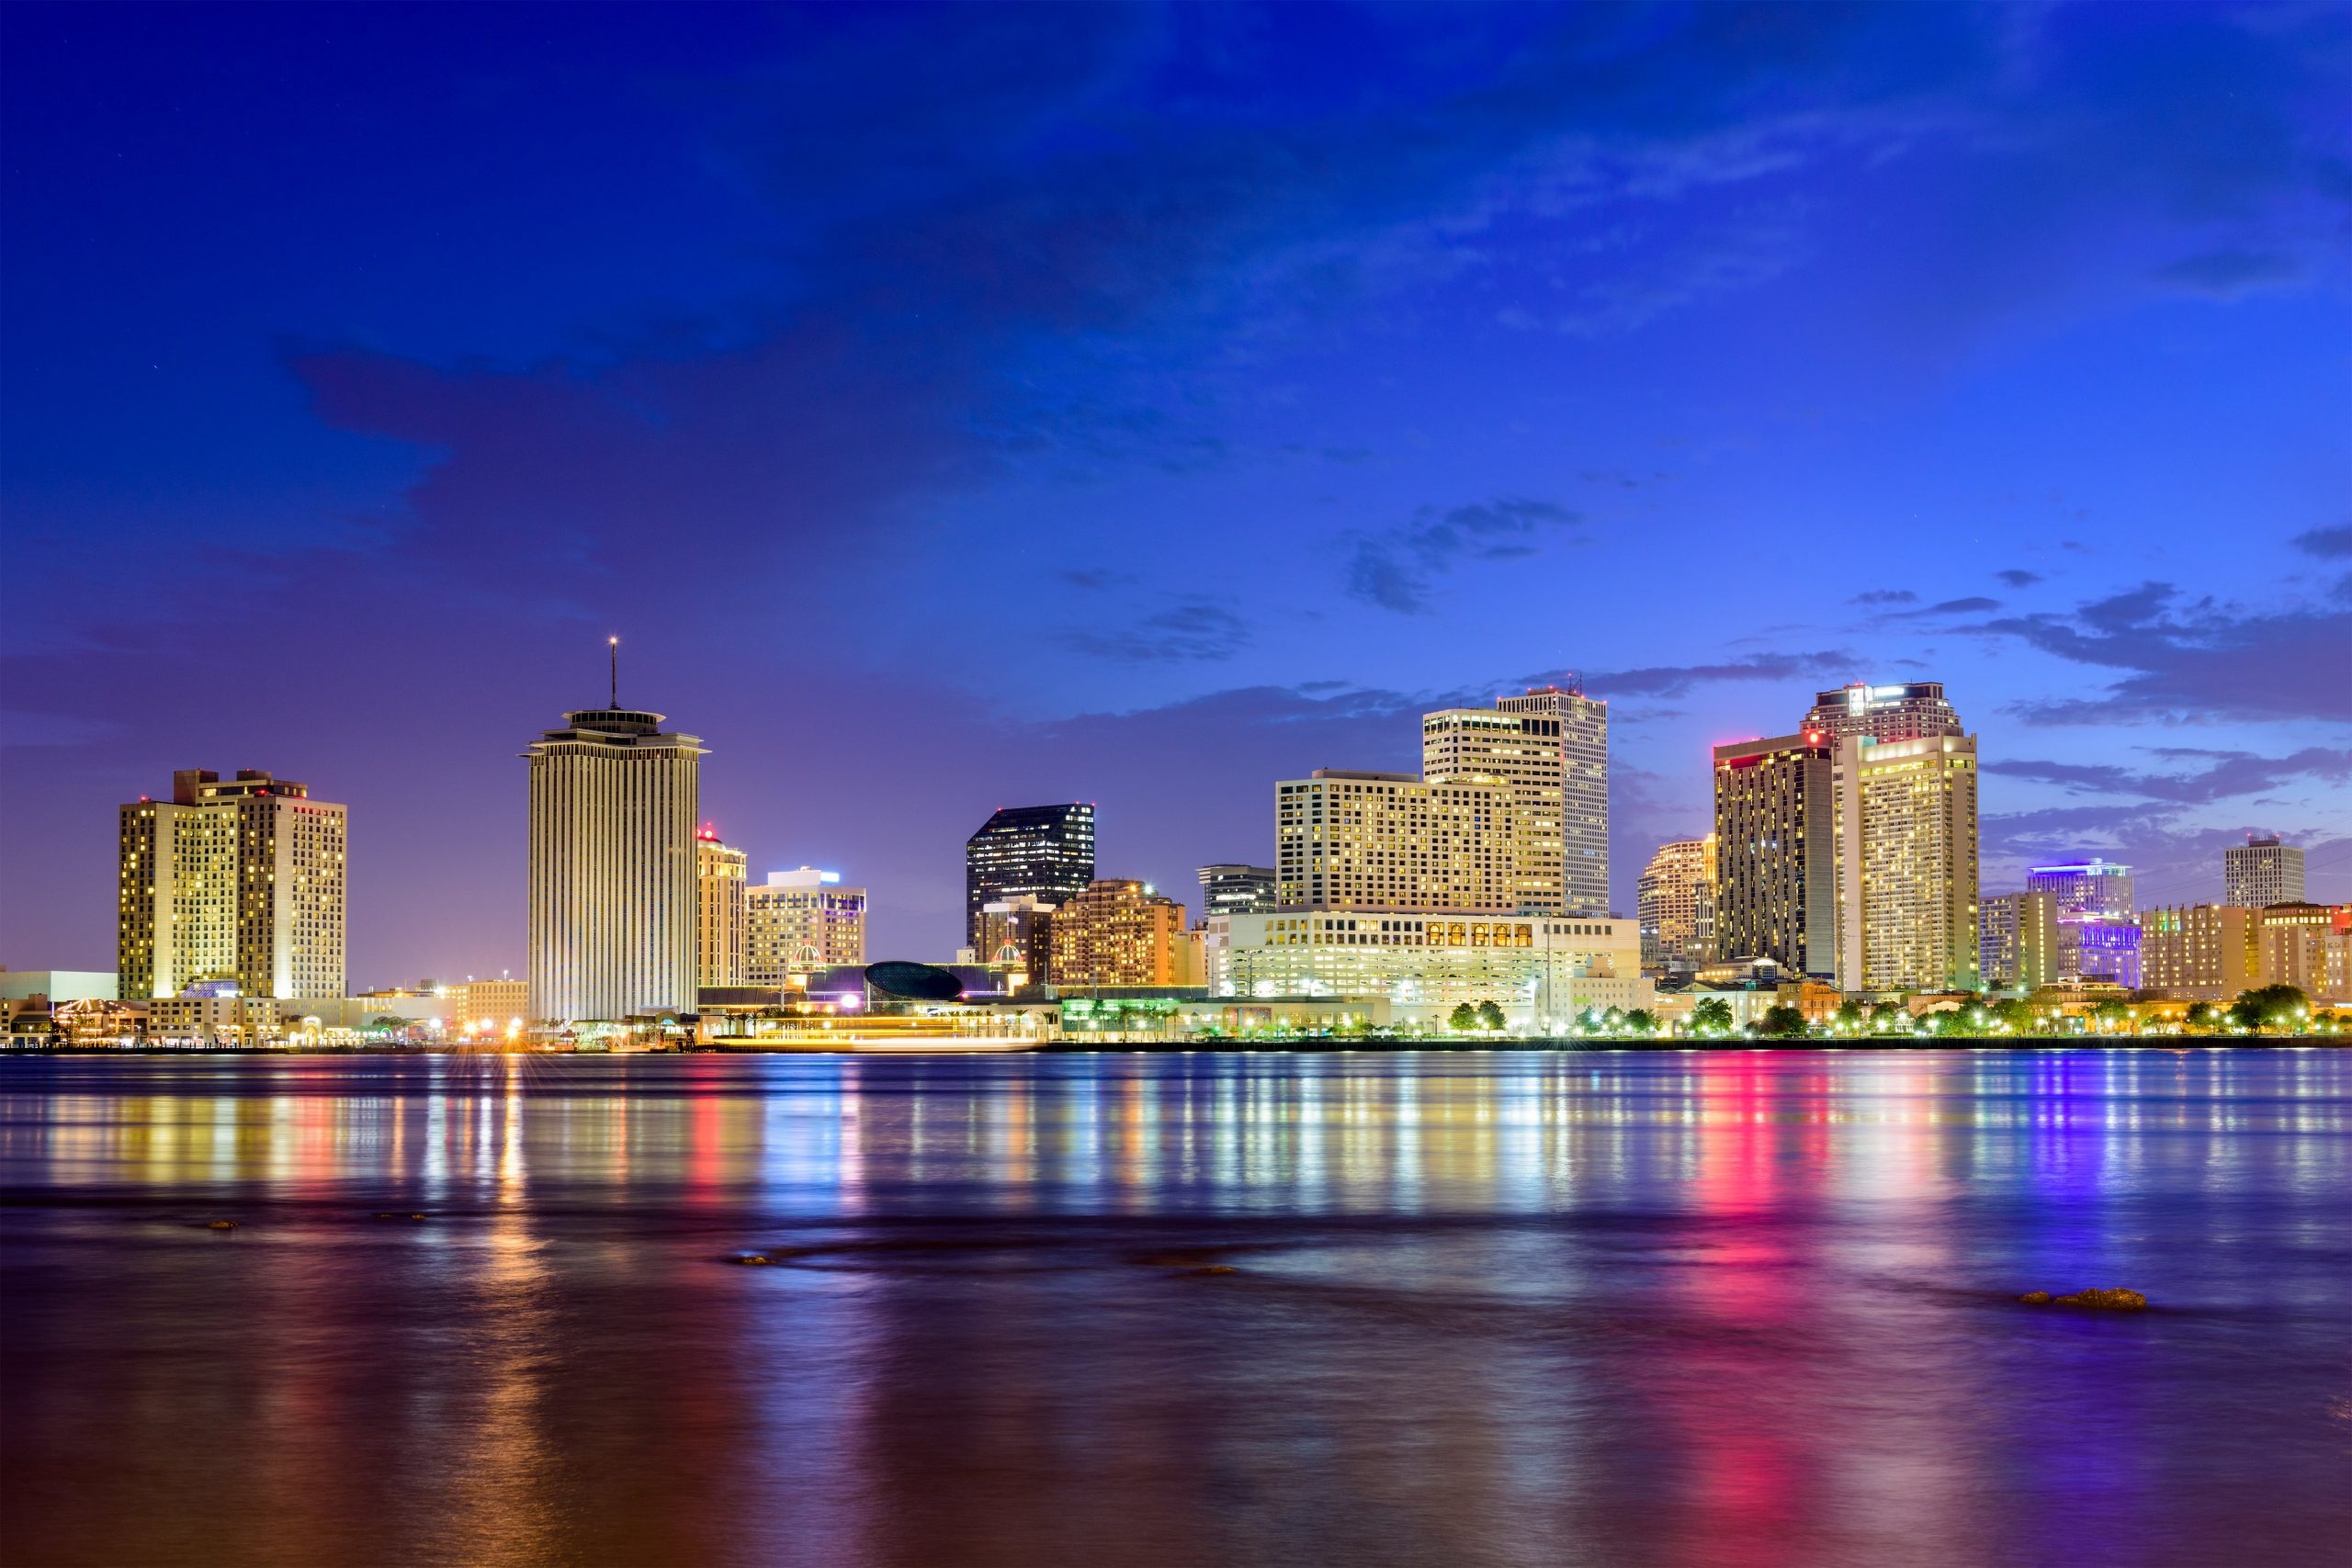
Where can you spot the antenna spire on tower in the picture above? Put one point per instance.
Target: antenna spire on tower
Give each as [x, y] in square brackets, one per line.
[614, 644]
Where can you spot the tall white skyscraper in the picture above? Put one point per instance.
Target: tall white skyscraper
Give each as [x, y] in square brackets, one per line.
[1907, 918]
[2261, 873]
[614, 895]
[1524, 752]
[1584, 790]
[239, 881]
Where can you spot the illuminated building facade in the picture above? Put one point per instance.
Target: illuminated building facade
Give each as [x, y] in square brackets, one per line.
[1583, 789]
[1364, 840]
[613, 893]
[1776, 854]
[1116, 932]
[1913, 711]
[2017, 944]
[1045, 851]
[239, 880]
[1016, 935]
[799, 921]
[1676, 902]
[1907, 865]
[720, 930]
[2308, 946]
[2099, 934]
[1231, 890]
[2260, 872]
[2198, 951]
[1524, 750]
[493, 1002]
[1541, 971]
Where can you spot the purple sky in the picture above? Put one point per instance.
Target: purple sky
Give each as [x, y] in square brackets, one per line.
[978, 406]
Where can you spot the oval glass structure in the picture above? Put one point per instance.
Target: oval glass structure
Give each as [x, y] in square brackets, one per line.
[914, 982]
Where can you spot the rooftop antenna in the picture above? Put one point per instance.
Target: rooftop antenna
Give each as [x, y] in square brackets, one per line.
[615, 643]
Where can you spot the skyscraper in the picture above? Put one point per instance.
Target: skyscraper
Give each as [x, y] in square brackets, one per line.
[800, 921]
[1916, 711]
[1676, 895]
[1583, 789]
[1362, 840]
[613, 895]
[1907, 857]
[1047, 852]
[1527, 752]
[1231, 889]
[2018, 941]
[239, 881]
[2099, 937]
[2261, 873]
[719, 936]
[1776, 859]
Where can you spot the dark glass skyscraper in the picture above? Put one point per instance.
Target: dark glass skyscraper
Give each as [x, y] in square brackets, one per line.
[1047, 852]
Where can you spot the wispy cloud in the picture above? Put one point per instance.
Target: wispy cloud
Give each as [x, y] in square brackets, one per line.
[1193, 631]
[1392, 569]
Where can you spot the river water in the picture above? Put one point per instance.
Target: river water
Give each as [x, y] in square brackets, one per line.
[1544, 1308]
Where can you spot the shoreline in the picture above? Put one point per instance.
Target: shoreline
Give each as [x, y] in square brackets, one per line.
[1563, 1047]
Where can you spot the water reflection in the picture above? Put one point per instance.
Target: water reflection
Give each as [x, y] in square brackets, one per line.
[1737, 1308]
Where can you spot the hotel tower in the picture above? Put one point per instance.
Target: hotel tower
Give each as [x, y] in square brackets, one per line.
[614, 895]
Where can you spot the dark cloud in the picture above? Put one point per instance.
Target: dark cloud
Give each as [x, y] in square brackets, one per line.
[2327, 544]
[1392, 569]
[1885, 596]
[2230, 774]
[1094, 580]
[1675, 680]
[2230, 272]
[2197, 662]
[2017, 577]
[1192, 631]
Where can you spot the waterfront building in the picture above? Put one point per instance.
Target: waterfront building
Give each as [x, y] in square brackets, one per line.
[2260, 872]
[1233, 889]
[1116, 932]
[1776, 856]
[613, 893]
[1541, 971]
[2099, 934]
[1526, 752]
[719, 911]
[57, 986]
[493, 1003]
[1045, 851]
[239, 880]
[1912, 710]
[1016, 935]
[2018, 945]
[2198, 951]
[1583, 724]
[1346, 840]
[1676, 900]
[1907, 859]
[226, 1019]
[799, 921]
[2308, 946]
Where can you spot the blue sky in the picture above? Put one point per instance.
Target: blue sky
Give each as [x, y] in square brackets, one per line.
[967, 406]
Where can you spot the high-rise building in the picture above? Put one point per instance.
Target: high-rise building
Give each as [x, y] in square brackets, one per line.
[1116, 932]
[718, 926]
[1231, 890]
[799, 921]
[1047, 852]
[2017, 944]
[2308, 946]
[1525, 751]
[1361, 840]
[1583, 789]
[1016, 934]
[1776, 853]
[237, 881]
[2261, 873]
[1676, 895]
[1906, 860]
[2099, 937]
[1915, 711]
[2198, 953]
[613, 882]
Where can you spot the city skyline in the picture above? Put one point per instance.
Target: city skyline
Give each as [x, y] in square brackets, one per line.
[2004, 353]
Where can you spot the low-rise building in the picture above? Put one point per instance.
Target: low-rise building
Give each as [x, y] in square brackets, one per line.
[57, 985]
[1543, 972]
[2308, 946]
[2198, 951]
[224, 1021]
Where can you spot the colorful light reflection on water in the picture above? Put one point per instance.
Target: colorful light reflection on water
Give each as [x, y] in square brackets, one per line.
[1736, 1308]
